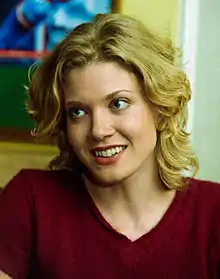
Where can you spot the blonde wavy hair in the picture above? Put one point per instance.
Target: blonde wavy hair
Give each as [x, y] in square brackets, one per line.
[154, 61]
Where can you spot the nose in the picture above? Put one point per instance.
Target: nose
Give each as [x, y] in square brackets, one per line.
[102, 125]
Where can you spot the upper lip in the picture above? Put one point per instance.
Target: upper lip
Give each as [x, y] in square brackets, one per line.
[103, 148]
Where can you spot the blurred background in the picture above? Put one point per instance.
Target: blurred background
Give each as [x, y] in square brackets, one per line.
[29, 28]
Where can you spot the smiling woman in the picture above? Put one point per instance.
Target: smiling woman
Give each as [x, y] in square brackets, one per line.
[113, 113]
[156, 77]
[120, 198]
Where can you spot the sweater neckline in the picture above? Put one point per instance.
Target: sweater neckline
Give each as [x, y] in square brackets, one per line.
[160, 231]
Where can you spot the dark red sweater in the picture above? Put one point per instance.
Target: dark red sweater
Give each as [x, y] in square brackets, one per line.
[50, 228]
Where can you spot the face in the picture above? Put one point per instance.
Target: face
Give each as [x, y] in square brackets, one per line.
[110, 126]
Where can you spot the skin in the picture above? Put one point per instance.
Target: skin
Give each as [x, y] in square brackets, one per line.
[105, 106]
[4, 276]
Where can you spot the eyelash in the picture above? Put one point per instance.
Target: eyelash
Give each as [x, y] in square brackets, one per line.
[70, 113]
[126, 102]
[77, 118]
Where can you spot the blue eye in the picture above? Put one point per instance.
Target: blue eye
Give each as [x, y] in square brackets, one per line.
[76, 113]
[118, 104]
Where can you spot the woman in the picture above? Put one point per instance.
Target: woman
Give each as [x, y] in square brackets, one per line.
[120, 200]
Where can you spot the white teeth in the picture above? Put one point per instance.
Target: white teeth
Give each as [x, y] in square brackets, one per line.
[117, 149]
[103, 153]
[109, 152]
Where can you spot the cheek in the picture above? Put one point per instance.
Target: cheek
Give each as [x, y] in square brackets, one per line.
[140, 124]
[75, 134]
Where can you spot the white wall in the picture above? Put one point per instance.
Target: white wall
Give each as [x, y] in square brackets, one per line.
[204, 72]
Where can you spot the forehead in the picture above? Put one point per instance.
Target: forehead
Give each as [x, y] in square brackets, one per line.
[97, 80]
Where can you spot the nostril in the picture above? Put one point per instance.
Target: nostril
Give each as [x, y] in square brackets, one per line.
[101, 126]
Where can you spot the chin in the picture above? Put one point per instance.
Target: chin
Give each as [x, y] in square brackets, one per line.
[105, 179]
[105, 176]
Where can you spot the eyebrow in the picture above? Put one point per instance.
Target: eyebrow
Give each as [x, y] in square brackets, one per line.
[108, 97]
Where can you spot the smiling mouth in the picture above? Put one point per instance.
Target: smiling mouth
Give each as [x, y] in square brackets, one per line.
[111, 152]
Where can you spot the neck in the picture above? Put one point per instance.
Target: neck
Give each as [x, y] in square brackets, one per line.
[135, 198]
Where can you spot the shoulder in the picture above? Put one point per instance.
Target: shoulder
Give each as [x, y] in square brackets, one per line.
[203, 195]
[41, 184]
[39, 175]
[206, 215]
[205, 191]
[202, 203]
[52, 194]
[33, 178]
[205, 184]
[203, 207]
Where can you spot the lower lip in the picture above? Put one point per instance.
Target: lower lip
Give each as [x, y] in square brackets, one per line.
[108, 160]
